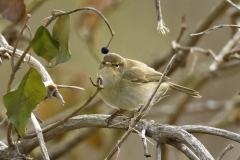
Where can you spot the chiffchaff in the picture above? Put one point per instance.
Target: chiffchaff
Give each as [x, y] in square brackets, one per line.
[128, 84]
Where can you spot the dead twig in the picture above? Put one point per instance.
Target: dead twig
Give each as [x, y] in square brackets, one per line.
[161, 26]
[159, 151]
[54, 125]
[228, 54]
[144, 140]
[215, 27]
[182, 30]
[38, 131]
[224, 151]
[233, 4]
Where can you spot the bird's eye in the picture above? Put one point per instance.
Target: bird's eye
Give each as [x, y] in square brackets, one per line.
[103, 63]
[116, 65]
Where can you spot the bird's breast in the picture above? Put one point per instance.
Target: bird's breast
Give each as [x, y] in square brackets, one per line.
[110, 79]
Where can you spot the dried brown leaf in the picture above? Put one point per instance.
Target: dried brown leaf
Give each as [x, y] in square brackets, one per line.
[12, 10]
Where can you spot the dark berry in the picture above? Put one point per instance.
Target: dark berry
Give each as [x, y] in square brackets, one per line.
[105, 50]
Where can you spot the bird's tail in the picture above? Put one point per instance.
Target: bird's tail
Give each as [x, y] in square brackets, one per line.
[186, 90]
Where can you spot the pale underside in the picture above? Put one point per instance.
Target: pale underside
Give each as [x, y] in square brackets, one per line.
[129, 94]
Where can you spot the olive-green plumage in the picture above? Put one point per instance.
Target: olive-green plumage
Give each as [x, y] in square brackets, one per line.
[128, 83]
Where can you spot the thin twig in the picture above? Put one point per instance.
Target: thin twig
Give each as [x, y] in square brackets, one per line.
[217, 11]
[161, 26]
[192, 50]
[3, 121]
[159, 151]
[30, 53]
[38, 131]
[20, 34]
[144, 140]
[215, 27]
[72, 113]
[226, 56]
[213, 131]
[228, 47]
[147, 105]
[182, 30]
[9, 135]
[54, 125]
[140, 114]
[213, 68]
[177, 46]
[16, 67]
[66, 86]
[233, 4]
[224, 151]
[54, 16]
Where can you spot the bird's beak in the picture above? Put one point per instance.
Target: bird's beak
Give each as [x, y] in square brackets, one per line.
[107, 64]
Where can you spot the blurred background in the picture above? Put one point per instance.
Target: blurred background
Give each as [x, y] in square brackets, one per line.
[136, 37]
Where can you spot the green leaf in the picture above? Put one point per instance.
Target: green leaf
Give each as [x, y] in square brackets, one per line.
[21, 102]
[44, 45]
[61, 33]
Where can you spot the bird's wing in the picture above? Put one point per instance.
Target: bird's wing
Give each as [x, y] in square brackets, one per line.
[140, 73]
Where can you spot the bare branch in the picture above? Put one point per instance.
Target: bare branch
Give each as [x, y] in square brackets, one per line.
[228, 47]
[11, 144]
[16, 66]
[144, 140]
[158, 132]
[40, 137]
[161, 26]
[159, 151]
[233, 4]
[215, 27]
[56, 15]
[184, 149]
[213, 131]
[4, 121]
[182, 30]
[63, 120]
[226, 56]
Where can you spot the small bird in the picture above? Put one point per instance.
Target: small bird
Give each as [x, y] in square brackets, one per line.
[128, 84]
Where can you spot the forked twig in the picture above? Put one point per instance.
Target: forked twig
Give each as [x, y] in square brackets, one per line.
[215, 27]
[54, 125]
[161, 26]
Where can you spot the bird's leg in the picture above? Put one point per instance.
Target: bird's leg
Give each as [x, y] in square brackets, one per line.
[113, 115]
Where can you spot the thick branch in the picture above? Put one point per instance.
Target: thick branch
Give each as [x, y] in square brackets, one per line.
[160, 133]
